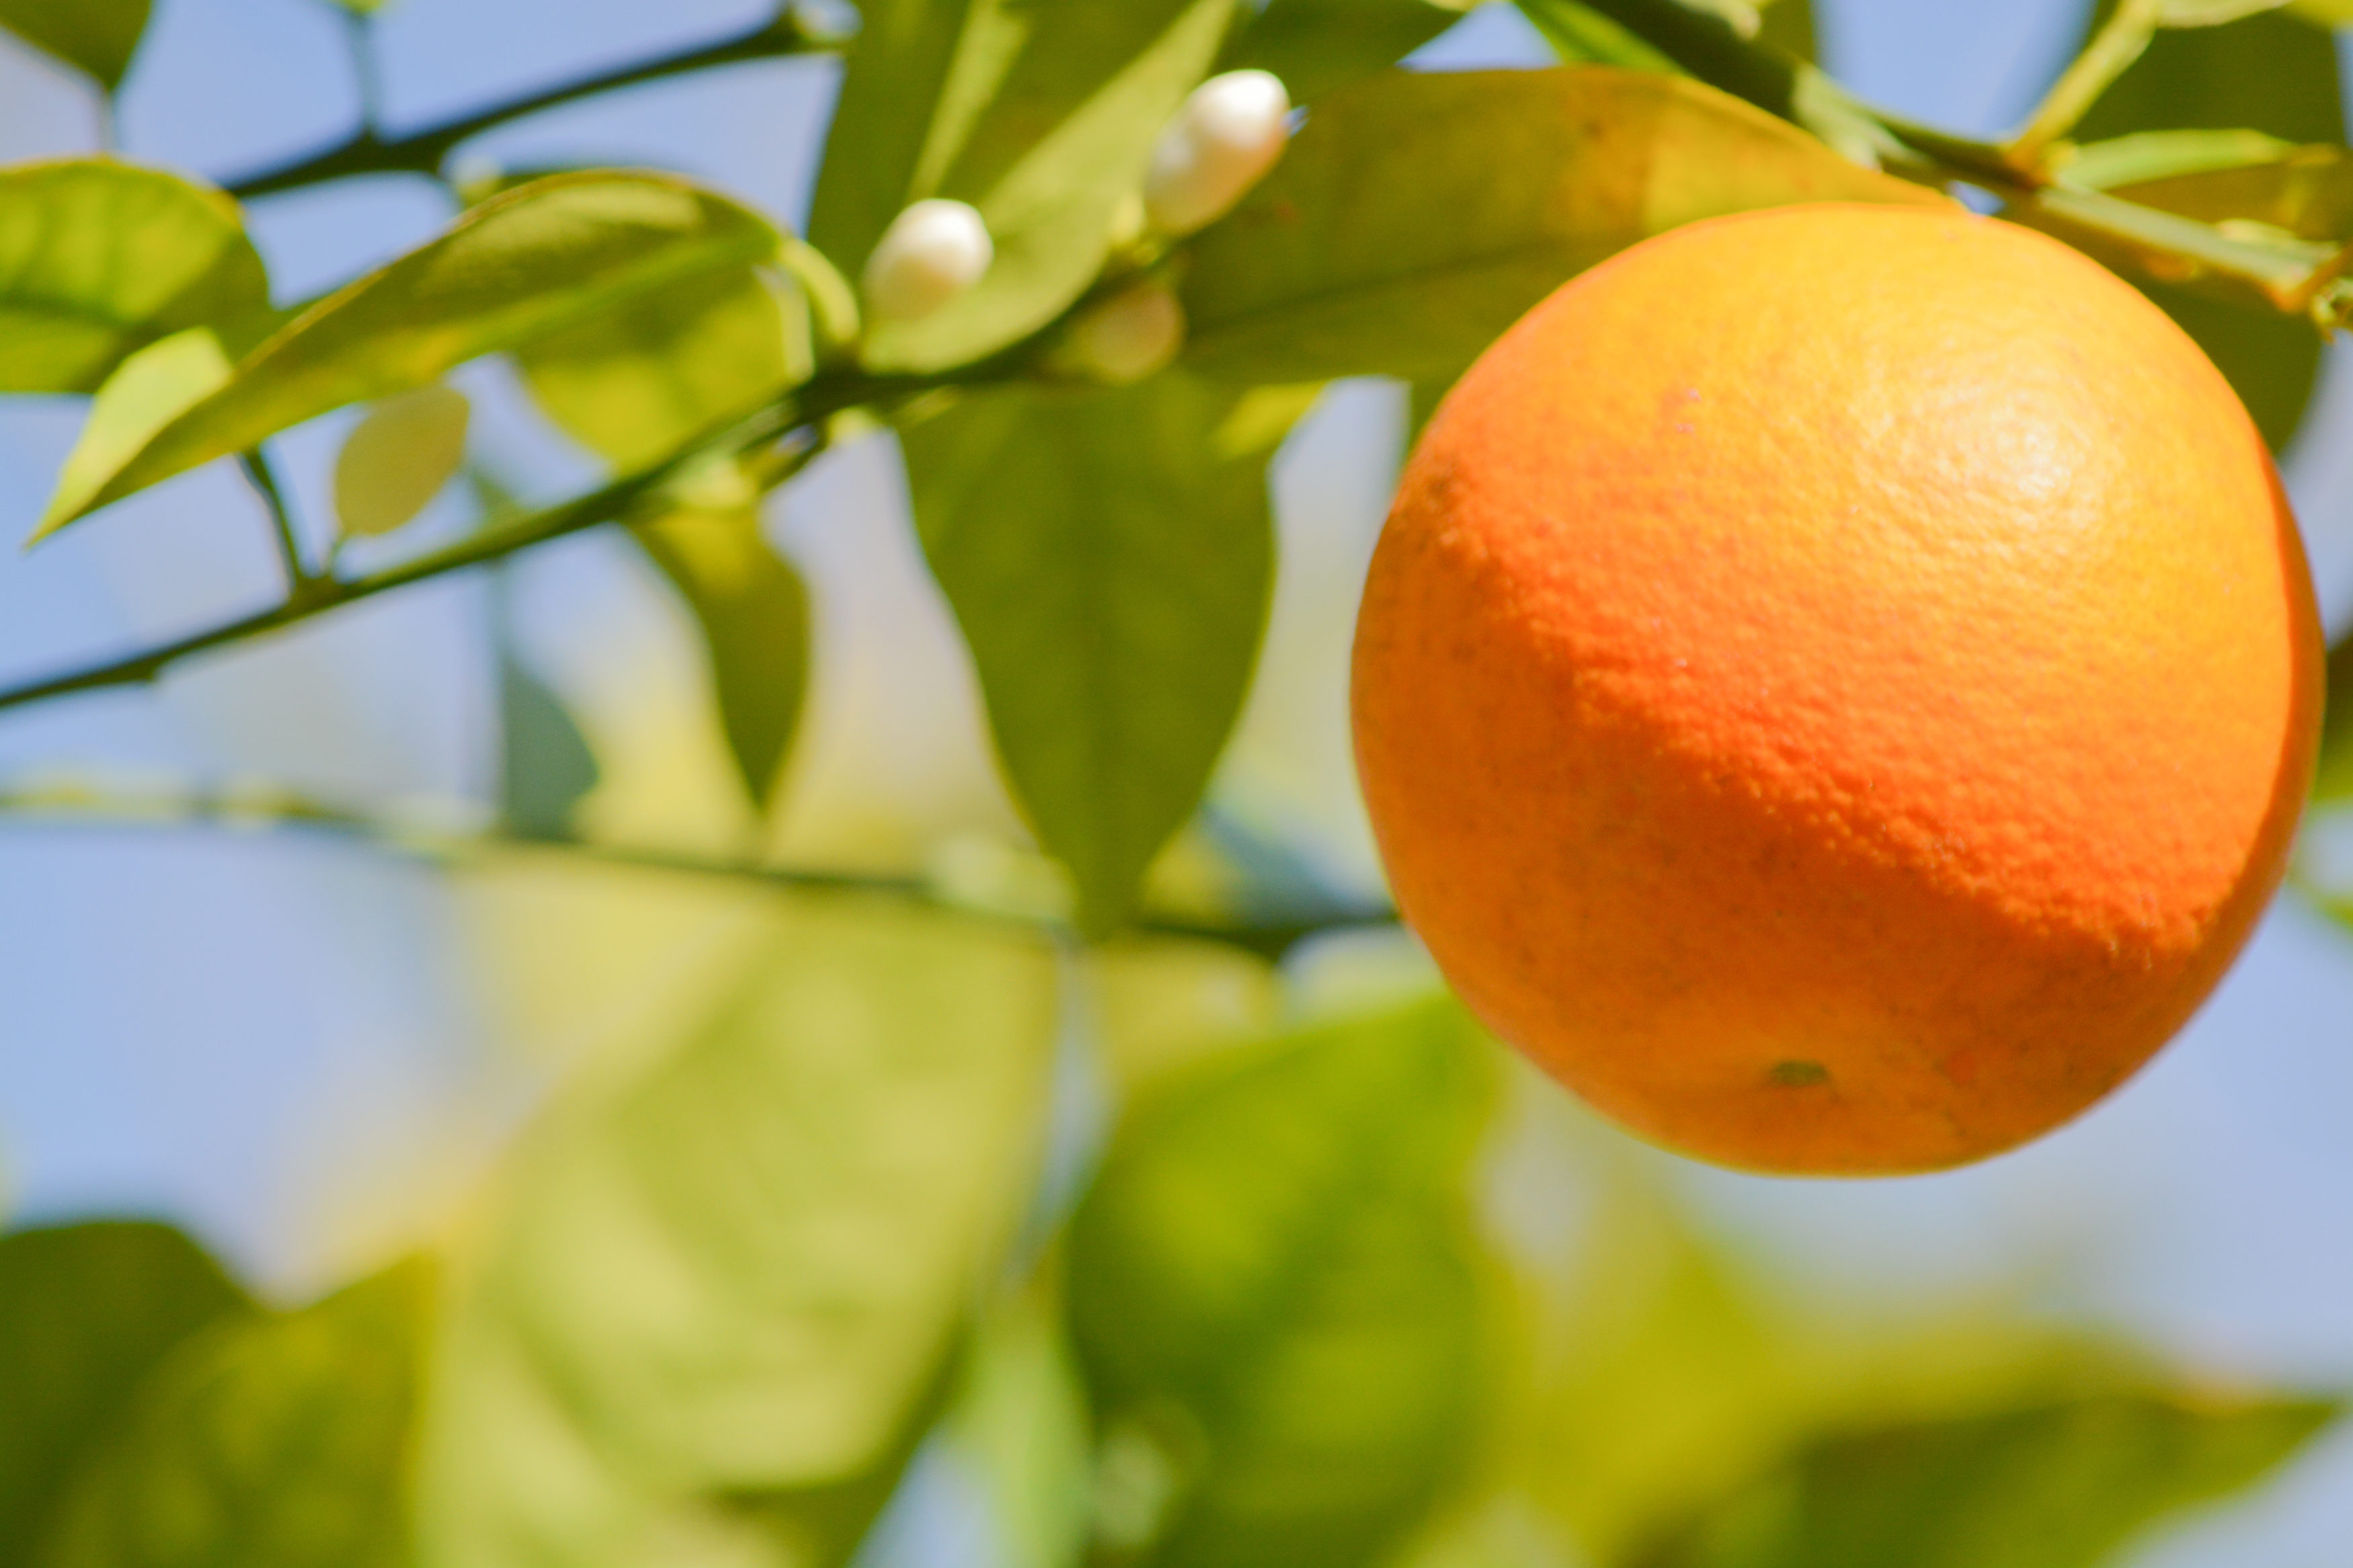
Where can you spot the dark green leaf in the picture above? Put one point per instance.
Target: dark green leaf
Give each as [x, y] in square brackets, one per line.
[754, 615]
[1788, 25]
[1315, 45]
[533, 260]
[279, 1440]
[1109, 556]
[86, 1312]
[2333, 780]
[2063, 1486]
[1276, 1299]
[545, 765]
[98, 258]
[1335, 266]
[97, 36]
[1581, 36]
[635, 383]
[1040, 113]
[2266, 73]
[729, 1275]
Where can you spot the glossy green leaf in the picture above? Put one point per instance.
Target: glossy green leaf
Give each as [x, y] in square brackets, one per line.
[2063, 1486]
[727, 1279]
[1333, 266]
[546, 763]
[97, 259]
[532, 261]
[634, 384]
[85, 1312]
[2265, 73]
[277, 1440]
[1277, 1302]
[399, 457]
[95, 37]
[1040, 113]
[1315, 45]
[754, 611]
[1109, 555]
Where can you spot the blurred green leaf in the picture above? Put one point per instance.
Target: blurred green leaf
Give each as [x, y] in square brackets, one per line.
[2264, 73]
[633, 384]
[400, 454]
[2209, 12]
[2333, 780]
[1109, 555]
[1276, 1298]
[1787, 25]
[546, 763]
[533, 260]
[1581, 36]
[95, 37]
[754, 611]
[1335, 266]
[728, 1278]
[85, 1312]
[2304, 191]
[277, 1440]
[1020, 1422]
[2061, 1487]
[1315, 45]
[97, 259]
[1040, 113]
[2324, 13]
[2160, 156]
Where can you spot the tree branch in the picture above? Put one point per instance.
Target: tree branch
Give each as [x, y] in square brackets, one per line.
[421, 151]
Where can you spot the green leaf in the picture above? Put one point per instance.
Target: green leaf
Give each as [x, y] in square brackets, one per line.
[1787, 25]
[97, 259]
[1333, 266]
[1581, 36]
[95, 37]
[1315, 45]
[636, 384]
[2063, 1486]
[1109, 556]
[2160, 155]
[1277, 1302]
[1020, 1421]
[2333, 779]
[545, 765]
[2306, 191]
[1040, 113]
[399, 457]
[754, 611]
[2268, 74]
[277, 1440]
[85, 1312]
[532, 261]
[2323, 12]
[2209, 12]
[728, 1277]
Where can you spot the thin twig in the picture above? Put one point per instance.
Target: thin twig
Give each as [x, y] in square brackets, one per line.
[422, 151]
[264, 480]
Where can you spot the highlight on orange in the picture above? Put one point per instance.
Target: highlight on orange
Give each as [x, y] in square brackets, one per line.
[1837, 686]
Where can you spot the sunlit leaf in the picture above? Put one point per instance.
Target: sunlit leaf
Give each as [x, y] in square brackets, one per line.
[2326, 13]
[754, 612]
[545, 765]
[1040, 113]
[1109, 555]
[726, 1283]
[1162, 1004]
[1335, 266]
[2062, 1486]
[2264, 73]
[2160, 156]
[96, 37]
[85, 1312]
[532, 261]
[98, 258]
[399, 457]
[634, 383]
[1276, 1298]
[277, 1440]
[1315, 45]
[2209, 12]
[2304, 191]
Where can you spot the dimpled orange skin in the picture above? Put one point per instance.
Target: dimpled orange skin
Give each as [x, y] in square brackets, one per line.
[1837, 687]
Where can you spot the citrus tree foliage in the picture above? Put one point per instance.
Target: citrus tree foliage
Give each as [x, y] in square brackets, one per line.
[833, 1213]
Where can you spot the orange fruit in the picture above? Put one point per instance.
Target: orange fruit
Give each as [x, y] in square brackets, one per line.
[1837, 686]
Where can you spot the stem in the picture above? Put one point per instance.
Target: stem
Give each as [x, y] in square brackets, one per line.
[422, 151]
[264, 480]
[2112, 50]
[360, 36]
[812, 404]
[243, 810]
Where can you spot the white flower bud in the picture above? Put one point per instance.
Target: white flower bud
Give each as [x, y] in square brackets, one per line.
[932, 252]
[1222, 141]
[1129, 336]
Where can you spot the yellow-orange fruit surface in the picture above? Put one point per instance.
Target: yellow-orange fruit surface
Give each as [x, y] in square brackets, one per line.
[1837, 686]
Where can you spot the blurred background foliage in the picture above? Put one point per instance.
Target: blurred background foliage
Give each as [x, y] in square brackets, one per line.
[875, 1162]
